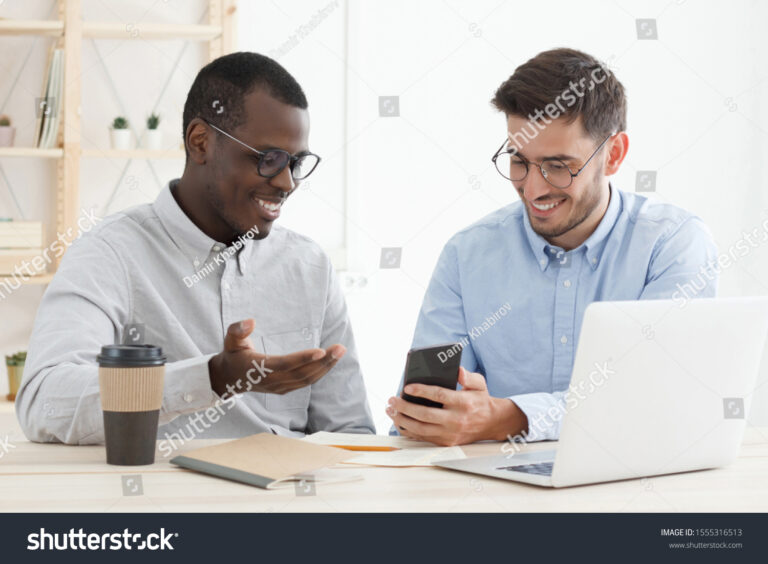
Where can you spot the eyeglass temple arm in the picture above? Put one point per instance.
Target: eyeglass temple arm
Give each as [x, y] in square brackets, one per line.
[260, 153]
[592, 156]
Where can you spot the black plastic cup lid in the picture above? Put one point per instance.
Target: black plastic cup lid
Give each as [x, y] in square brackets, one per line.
[131, 355]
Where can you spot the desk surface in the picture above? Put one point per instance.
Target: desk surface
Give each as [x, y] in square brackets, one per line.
[53, 478]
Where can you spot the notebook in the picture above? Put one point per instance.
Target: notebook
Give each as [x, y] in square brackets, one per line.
[267, 461]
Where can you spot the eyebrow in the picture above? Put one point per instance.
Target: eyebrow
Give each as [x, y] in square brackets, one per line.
[559, 156]
[265, 148]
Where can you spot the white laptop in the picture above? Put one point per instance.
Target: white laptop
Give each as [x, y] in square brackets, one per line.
[662, 388]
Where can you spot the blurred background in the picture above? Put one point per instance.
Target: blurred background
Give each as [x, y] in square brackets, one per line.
[399, 97]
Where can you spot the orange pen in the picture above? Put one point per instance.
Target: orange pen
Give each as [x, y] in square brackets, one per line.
[367, 448]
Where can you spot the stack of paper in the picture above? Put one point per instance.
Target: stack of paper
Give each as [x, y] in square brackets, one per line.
[21, 246]
[383, 450]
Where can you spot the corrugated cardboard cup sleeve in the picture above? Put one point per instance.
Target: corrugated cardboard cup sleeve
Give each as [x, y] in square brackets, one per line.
[131, 389]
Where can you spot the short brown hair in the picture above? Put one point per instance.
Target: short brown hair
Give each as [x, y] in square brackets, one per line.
[545, 79]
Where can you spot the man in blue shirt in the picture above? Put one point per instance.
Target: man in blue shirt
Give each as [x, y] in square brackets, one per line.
[512, 288]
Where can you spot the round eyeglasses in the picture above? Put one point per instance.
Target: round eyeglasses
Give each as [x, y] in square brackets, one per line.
[515, 168]
[272, 162]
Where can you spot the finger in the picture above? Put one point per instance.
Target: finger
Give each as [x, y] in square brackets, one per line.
[415, 427]
[321, 362]
[292, 361]
[237, 336]
[434, 393]
[420, 412]
[305, 375]
[472, 381]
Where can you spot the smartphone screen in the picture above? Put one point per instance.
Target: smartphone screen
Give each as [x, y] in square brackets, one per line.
[434, 366]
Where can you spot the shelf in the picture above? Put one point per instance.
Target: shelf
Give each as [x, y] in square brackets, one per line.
[113, 30]
[31, 27]
[134, 153]
[31, 152]
[117, 30]
[30, 281]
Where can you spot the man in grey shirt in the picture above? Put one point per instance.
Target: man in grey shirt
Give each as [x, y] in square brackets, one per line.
[250, 315]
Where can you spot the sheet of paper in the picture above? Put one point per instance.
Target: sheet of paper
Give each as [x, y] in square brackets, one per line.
[359, 440]
[426, 456]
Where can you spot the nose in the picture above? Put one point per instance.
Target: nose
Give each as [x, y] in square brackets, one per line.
[283, 181]
[535, 186]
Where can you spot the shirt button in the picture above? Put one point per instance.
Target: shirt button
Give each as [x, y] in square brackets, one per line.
[543, 262]
[563, 339]
[567, 283]
[594, 260]
[196, 262]
[552, 251]
[226, 285]
[216, 248]
[188, 397]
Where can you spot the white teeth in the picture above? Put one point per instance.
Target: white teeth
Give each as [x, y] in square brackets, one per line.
[269, 206]
[546, 207]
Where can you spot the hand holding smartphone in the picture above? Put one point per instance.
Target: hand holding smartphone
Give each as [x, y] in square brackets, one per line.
[434, 366]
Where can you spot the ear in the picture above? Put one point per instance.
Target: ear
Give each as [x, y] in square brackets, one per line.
[617, 151]
[198, 141]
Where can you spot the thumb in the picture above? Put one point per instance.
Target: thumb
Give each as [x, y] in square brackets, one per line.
[237, 335]
[472, 381]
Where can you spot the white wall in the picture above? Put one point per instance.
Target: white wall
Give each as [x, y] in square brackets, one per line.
[416, 179]
[697, 116]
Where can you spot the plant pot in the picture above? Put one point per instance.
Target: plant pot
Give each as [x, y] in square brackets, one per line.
[121, 139]
[153, 139]
[15, 373]
[7, 133]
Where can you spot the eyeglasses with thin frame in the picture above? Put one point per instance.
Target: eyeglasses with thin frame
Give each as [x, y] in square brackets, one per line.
[272, 162]
[555, 172]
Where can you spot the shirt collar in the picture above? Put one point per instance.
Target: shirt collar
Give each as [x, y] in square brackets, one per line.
[544, 252]
[187, 236]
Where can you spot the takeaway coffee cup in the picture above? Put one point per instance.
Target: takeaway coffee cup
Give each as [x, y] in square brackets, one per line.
[131, 386]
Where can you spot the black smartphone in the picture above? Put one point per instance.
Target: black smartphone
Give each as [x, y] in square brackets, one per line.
[434, 366]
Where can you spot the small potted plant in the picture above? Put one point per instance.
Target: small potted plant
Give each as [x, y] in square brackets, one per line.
[15, 365]
[7, 131]
[153, 139]
[121, 135]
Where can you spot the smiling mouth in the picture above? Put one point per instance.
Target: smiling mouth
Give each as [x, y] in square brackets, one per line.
[547, 207]
[269, 209]
[270, 206]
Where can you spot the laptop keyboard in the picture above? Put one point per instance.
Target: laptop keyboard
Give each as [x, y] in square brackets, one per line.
[541, 469]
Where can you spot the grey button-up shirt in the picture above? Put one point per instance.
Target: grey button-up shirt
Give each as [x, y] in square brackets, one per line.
[149, 274]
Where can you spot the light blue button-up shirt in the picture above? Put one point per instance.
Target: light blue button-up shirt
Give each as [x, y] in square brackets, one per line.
[516, 302]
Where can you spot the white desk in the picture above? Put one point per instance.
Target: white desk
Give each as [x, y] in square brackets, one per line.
[59, 478]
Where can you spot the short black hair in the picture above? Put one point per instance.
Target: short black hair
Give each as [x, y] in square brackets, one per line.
[218, 93]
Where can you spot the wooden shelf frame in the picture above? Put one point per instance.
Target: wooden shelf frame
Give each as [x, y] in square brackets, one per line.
[70, 30]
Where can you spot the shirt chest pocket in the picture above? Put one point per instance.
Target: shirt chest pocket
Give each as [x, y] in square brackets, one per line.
[286, 343]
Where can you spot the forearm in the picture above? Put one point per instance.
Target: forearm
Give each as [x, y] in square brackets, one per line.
[62, 403]
[507, 420]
